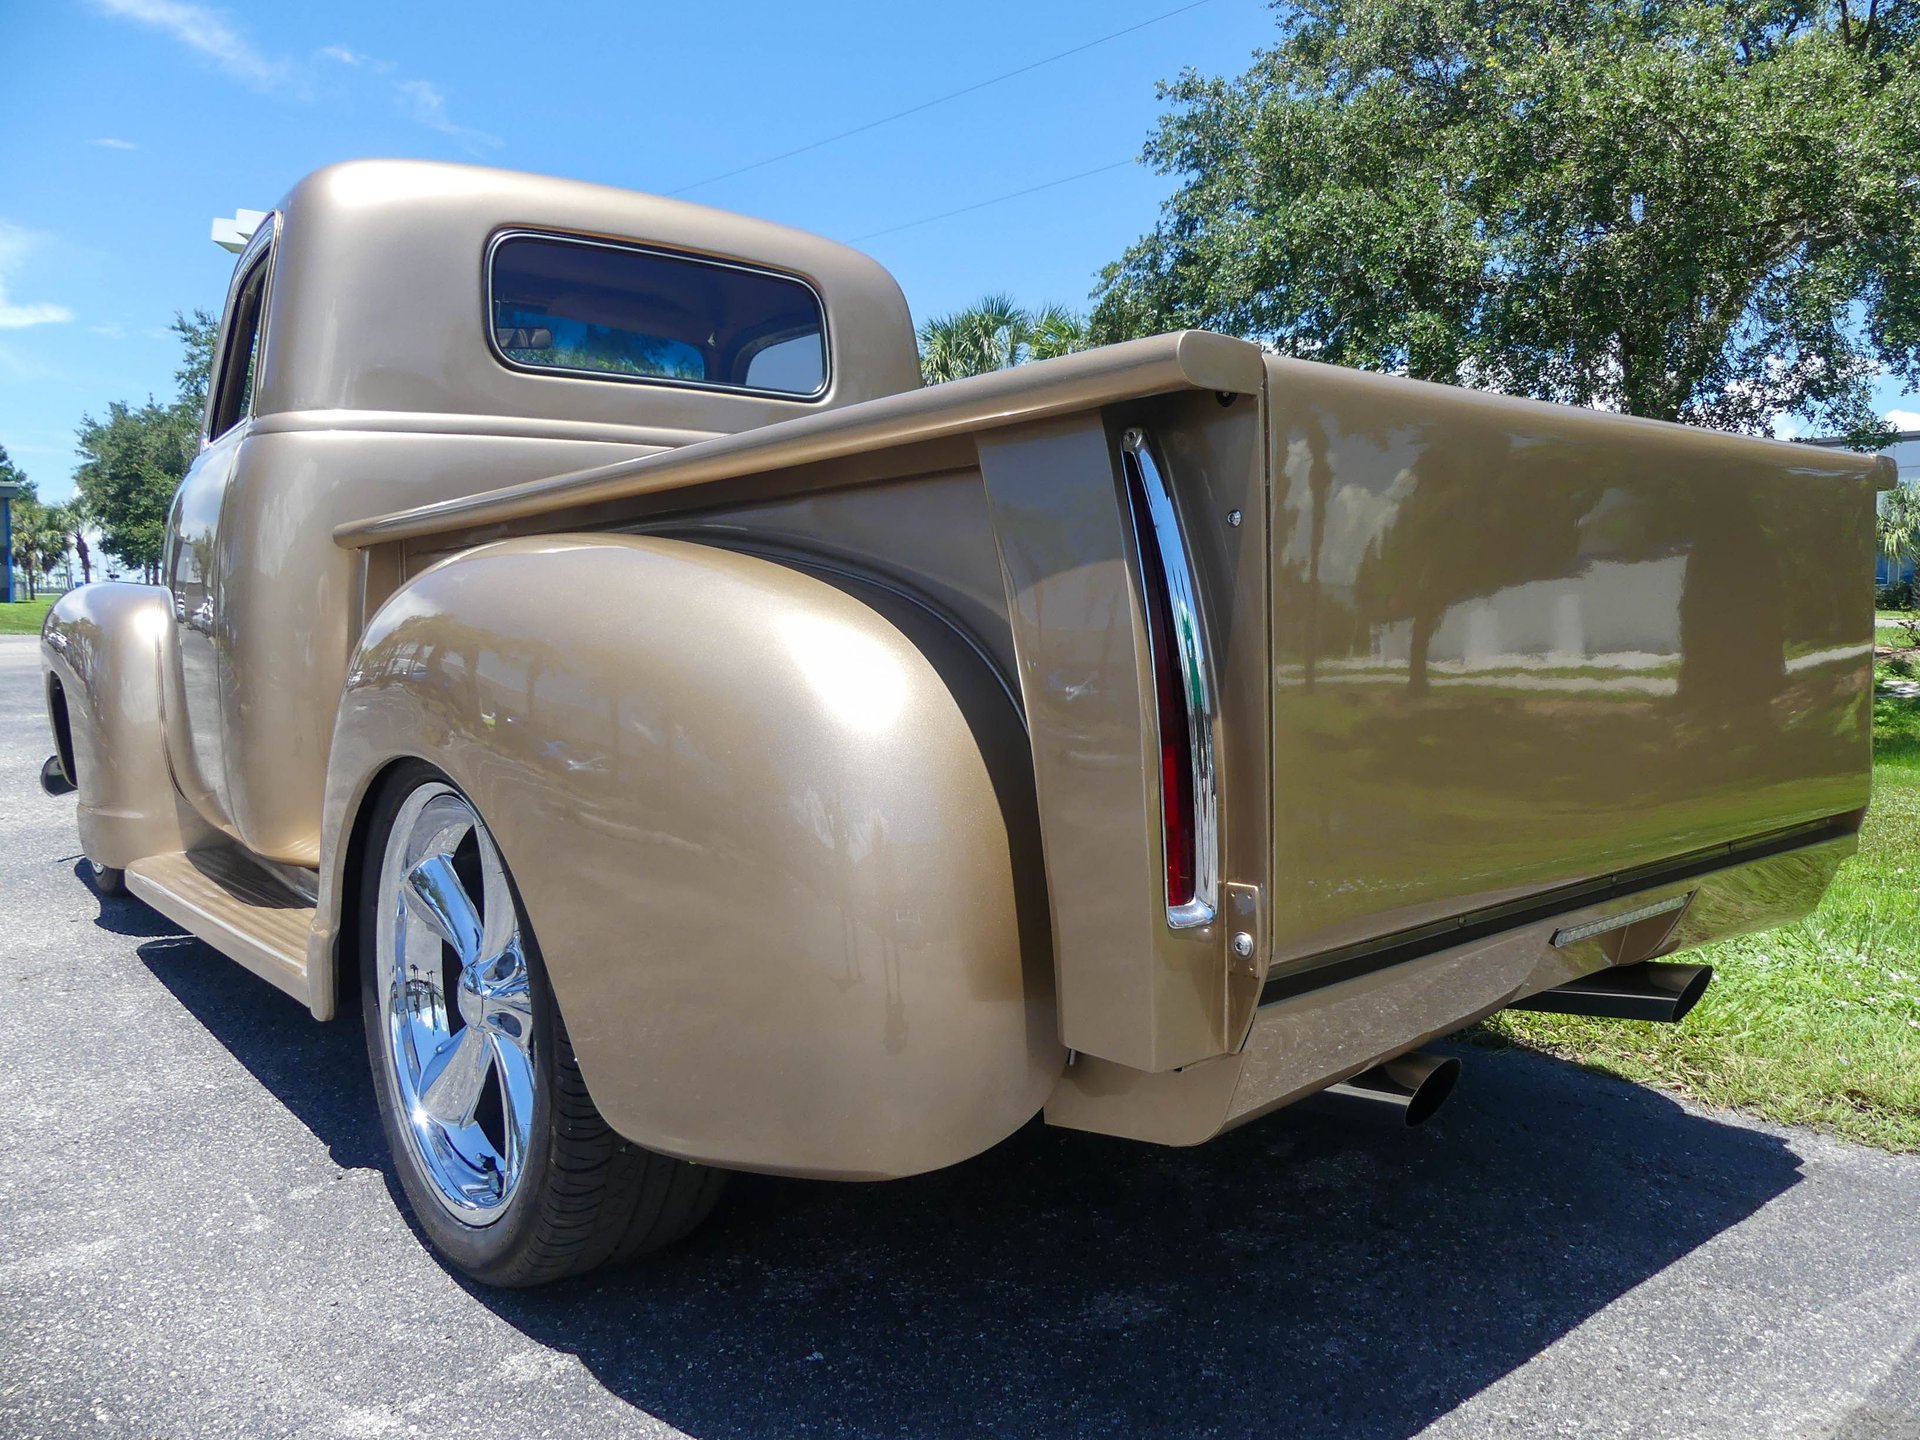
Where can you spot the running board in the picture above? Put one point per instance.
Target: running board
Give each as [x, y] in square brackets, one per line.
[235, 906]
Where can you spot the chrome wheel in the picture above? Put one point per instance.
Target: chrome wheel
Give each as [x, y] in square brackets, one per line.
[456, 1009]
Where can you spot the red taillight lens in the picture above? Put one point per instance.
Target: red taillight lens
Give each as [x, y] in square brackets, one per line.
[1176, 743]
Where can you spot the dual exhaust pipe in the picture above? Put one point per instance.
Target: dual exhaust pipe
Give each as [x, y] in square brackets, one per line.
[1405, 1090]
[1647, 991]
[1408, 1089]
[53, 777]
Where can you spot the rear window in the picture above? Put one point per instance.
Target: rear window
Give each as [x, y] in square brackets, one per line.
[620, 312]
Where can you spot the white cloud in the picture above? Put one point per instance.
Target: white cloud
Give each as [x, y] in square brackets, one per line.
[426, 103]
[207, 31]
[213, 35]
[356, 59]
[108, 142]
[14, 245]
[113, 330]
[19, 317]
[1904, 419]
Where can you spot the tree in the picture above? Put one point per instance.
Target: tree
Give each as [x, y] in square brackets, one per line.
[39, 536]
[134, 462]
[995, 333]
[134, 459]
[1697, 212]
[1899, 525]
[198, 333]
[79, 516]
[14, 475]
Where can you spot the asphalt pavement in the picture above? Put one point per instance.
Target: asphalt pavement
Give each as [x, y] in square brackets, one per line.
[199, 1237]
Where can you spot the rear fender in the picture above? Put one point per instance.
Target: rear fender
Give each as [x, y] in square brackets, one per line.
[776, 838]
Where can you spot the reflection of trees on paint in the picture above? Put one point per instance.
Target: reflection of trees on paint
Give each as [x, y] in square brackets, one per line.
[1482, 511]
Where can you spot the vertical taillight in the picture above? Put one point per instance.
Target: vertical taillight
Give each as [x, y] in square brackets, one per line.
[1183, 689]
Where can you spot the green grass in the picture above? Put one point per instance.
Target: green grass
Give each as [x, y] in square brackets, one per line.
[1817, 1024]
[23, 617]
[1887, 629]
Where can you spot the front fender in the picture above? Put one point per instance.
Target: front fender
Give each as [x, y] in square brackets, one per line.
[101, 649]
[777, 845]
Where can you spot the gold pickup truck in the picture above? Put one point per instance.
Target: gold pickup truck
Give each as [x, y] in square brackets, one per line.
[696, 746]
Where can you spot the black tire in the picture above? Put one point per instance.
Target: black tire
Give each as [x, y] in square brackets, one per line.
[106, 879]
[585, 1197]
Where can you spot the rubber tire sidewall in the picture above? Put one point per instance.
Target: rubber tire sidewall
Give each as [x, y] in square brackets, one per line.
[488, 1253]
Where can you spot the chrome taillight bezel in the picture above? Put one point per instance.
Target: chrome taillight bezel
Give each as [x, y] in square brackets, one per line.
[1181, 655]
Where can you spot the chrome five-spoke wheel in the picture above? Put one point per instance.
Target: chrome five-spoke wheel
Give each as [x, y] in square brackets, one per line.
[456, 1006]
[509, 1167]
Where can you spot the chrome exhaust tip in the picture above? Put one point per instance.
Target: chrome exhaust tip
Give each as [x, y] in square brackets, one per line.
[1647, 991]
[1409, 1088]
[53, 777]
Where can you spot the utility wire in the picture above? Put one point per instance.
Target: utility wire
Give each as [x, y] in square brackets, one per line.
[983, 204]
[937, 100]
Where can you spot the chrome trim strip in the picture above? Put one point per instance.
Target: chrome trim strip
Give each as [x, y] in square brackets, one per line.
[1196, 680]
[259, 253]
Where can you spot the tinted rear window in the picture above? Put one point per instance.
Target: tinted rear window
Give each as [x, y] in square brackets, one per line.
[583, 307]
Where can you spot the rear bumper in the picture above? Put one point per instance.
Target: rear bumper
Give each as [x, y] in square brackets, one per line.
[1309, 1035]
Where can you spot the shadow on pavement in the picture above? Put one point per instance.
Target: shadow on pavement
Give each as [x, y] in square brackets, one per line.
[123, 915]
[319, 1072]
[1302, 1276]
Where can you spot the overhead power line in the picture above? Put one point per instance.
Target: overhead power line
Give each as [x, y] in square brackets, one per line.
[983, 204]
[937, 100]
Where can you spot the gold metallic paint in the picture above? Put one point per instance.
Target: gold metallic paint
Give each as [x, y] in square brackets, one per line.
[1674, 647]
[104, 645]
[762, 774]
[1132, 989]
[770, 841]
[1298, 1046]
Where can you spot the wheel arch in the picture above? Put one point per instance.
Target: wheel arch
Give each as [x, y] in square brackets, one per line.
[775, 834]
[333, 945]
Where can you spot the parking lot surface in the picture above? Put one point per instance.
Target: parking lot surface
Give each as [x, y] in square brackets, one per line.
[199, 1237]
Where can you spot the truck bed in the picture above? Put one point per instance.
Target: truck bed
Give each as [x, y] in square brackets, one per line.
[1468, 656]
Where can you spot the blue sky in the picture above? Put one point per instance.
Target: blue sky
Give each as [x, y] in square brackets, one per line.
[132, 123]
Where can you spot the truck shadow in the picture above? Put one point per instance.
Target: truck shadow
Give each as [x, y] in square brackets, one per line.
[1305, 1275]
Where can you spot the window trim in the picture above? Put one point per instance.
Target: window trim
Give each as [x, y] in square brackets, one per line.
[258, 255]
[568, 372]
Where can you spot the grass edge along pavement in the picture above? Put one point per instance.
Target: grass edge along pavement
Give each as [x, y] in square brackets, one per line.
[24, 617]
[1817, 1024]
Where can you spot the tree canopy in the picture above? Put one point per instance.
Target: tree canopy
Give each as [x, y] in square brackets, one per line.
[133, 461]
[1697, 212]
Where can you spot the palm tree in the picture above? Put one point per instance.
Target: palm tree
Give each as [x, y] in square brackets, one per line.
[1899, 525]
[995, 333]
[39, 540]
[78, 513]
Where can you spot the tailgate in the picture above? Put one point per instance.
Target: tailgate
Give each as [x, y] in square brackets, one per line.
[1520, 646]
